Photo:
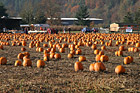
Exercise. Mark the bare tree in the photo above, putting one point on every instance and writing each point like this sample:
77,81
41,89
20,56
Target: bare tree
52,9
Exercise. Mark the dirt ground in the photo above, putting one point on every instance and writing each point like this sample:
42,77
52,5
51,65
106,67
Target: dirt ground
59,75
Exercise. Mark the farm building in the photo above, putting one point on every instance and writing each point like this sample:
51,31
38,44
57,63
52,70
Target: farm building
71,21
10,23
124,26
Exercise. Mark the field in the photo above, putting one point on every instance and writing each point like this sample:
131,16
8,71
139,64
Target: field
59,75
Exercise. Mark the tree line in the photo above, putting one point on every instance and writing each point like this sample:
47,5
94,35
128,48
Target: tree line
37,11
132,17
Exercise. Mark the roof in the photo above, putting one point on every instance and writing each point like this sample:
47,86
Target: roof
24,25
126,23
15,18
4,17
77,19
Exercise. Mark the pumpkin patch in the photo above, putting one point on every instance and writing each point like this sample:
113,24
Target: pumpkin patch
70,61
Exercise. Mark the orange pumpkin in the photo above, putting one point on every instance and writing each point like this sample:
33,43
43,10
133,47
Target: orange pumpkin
1,47
62,50
46,58
104,58
99,66
96,51
52,55
20,56
40,63
119,69
137,44
97,58
40,49
101,52
3,60
57,56
103,48
119,53
91,67
70,55
23,49
136,50
72,52
78,52
78,66
121,48
45,45
26,54
127,60
131,58
27,62
18,63
23,43
82,58
94,46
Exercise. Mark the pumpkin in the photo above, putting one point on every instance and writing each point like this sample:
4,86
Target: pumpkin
82,58
40,63
53,50
104,58
91,67
23,43
46,58
37,49
70,55
27,62
78,52
20,56
37,45
26,54
40,49
101,53
48,50
78,66
119,69
26,57
119,53
127,60
103,48
3,61
45,45
97,58
96,51
52,55
62,50
1,47
23,49
94,46
13,44
136,50
57,56
18,63
131,58
72,52
137,44
99,66
121,48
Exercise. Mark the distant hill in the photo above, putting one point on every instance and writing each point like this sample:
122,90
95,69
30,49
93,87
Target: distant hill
109,10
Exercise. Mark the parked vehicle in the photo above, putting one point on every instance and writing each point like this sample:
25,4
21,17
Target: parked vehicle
85,30
94,30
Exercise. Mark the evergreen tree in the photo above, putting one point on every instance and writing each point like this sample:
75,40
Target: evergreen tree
137,17
128,18
82,14
2,10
